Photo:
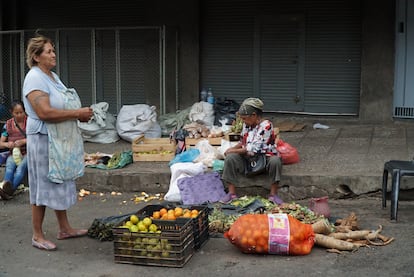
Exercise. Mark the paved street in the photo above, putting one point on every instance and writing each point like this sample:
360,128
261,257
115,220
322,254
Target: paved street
89,257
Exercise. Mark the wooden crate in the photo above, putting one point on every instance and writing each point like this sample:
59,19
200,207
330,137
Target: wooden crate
191,142
153,149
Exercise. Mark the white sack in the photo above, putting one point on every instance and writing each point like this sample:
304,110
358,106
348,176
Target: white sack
136,120
202,112
101,127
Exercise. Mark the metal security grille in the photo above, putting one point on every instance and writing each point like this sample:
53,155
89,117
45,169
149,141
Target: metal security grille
299,56
119,66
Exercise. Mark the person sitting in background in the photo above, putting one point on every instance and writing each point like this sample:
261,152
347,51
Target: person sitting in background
257,136
13,137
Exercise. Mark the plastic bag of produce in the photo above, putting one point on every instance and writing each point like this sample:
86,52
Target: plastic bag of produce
279,234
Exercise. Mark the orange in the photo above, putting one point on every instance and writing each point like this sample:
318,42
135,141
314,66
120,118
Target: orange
178,211
194,212
163,211
164,216
171,216
156,215
187,214
256,234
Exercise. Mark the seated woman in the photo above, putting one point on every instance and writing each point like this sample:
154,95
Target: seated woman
257,136
13,136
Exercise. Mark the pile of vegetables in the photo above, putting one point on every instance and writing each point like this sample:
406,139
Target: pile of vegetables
346,236
221,220
343,235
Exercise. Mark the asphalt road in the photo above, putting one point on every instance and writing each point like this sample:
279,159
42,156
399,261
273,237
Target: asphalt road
89,257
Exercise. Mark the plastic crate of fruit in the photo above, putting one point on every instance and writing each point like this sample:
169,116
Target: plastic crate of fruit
169,244
198,216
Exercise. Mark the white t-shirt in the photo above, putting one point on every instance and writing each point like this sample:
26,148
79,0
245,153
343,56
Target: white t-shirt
36,79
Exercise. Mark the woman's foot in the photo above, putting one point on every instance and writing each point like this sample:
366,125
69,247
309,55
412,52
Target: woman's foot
43,244
228,198
6,190
74,233
275,199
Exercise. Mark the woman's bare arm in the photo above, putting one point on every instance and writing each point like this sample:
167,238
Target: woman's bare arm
40,102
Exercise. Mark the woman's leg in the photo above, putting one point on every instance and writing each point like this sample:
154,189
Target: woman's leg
10,168
233,166
38,239
20,172
65,230
274,168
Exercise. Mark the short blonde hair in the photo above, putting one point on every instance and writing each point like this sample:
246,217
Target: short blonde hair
35,47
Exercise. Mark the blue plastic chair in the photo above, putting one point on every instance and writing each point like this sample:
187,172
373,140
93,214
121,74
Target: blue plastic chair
397,169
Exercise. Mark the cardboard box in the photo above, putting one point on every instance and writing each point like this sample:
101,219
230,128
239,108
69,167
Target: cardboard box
153,149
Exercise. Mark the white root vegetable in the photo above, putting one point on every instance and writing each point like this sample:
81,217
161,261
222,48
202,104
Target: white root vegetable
333,243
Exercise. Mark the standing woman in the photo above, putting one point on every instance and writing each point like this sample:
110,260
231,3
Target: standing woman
53,113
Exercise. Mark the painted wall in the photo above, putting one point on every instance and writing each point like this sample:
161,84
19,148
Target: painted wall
377,69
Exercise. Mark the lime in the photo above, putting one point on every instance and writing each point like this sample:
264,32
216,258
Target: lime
142,227
147,221
153,228
134,219
134,228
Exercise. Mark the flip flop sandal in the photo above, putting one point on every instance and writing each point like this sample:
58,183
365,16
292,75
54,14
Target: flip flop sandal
77,234
46,245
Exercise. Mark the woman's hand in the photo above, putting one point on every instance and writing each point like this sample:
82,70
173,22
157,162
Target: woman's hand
11,144
18,143
85,114
235,149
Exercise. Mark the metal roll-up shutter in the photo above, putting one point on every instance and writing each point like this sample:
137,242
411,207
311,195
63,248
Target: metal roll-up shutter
310,66
226,48
85,13
333,57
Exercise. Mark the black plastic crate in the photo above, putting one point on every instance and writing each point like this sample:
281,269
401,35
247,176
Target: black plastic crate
200,223
172,247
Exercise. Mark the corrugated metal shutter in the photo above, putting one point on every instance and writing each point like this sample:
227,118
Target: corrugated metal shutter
226,49
237,53
85,13
281,62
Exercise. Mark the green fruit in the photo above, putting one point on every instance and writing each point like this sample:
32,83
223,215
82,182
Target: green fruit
153,228
134,228
142,227
134,219
165,254
147,221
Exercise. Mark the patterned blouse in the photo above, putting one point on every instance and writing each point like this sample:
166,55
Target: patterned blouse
259,139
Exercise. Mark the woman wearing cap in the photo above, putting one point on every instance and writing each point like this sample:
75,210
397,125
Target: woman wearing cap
257,136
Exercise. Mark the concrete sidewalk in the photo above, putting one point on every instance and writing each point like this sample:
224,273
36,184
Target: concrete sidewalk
345,159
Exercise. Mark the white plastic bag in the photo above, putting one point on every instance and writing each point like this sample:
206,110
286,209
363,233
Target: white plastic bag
202,112
101,128
138,119
181,170
225,144
208,153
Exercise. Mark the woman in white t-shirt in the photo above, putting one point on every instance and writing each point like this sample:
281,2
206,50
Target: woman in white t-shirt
44,97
